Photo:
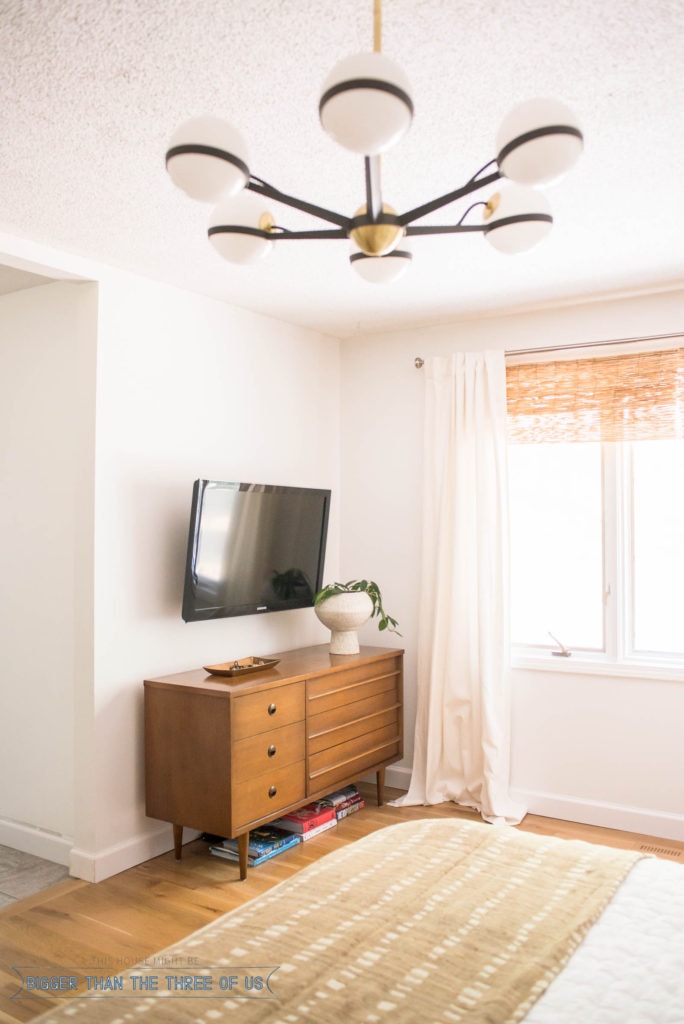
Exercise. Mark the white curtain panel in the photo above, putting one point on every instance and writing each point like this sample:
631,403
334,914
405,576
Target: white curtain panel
462,738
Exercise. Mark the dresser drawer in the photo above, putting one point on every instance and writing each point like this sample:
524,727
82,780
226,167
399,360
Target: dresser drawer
267,794
384,688
334,773
268,751
353,748
333,682
267,709
324,731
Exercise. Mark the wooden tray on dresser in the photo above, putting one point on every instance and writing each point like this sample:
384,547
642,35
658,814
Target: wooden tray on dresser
241,666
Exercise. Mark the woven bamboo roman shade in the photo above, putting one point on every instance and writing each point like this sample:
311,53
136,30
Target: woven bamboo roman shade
617,398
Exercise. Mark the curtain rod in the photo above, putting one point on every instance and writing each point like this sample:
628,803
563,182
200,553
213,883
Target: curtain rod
419,362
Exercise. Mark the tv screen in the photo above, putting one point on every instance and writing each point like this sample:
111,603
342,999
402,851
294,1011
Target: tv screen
253,548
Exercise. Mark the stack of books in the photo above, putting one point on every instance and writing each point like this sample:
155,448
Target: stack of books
268,841
308,821
344,801
265,842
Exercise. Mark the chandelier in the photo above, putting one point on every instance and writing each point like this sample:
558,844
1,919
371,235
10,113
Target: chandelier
366,107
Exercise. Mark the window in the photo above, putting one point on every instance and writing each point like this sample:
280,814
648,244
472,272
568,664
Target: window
556,528
656,505
597,512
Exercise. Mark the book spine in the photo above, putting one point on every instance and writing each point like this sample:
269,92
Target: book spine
302,826
256,849
319,820
340,797
273,853
319,828
232,855
358,799
224,853
344,812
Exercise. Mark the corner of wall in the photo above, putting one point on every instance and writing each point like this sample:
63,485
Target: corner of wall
95,867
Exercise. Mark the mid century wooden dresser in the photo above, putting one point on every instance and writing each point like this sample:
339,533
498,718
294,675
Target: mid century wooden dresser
225,754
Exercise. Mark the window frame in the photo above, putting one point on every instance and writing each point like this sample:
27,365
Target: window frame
618,656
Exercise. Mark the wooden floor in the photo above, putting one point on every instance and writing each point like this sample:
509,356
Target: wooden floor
135,914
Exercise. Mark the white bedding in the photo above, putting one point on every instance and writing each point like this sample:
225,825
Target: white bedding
610,978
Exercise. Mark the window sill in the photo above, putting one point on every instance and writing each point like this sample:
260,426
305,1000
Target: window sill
577,664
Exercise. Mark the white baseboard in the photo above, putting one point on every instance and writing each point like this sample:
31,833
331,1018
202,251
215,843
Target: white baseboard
101,865
396,777
95,867
658,824
38,841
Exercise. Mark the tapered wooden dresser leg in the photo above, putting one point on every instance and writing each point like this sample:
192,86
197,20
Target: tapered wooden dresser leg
380,781
243,847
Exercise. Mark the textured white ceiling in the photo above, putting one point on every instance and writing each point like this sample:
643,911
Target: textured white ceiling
91,90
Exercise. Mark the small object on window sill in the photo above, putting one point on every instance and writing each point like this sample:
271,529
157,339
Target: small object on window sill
563,652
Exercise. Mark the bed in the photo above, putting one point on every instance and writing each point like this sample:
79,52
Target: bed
437,920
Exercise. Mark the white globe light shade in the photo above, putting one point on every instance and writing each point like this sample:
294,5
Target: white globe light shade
510,235
381,269
207,159
366,104
244,240
542,158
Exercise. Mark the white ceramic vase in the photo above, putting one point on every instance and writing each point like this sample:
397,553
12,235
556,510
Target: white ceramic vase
343,614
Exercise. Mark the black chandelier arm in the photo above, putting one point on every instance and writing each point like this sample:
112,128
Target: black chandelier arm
460,228
274,234
519,218
443,229
473,185
277,233
264,189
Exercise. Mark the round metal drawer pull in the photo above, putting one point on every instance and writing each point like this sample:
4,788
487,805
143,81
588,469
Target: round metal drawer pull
272,791
272,709
271,751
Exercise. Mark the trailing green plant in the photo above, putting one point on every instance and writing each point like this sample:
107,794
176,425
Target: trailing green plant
369,587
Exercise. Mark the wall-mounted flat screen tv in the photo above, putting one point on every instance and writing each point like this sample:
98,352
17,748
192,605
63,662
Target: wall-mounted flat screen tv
253,548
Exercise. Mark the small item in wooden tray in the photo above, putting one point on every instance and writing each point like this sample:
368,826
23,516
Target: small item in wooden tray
241,667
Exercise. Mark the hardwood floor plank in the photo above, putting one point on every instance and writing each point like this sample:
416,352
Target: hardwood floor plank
138,913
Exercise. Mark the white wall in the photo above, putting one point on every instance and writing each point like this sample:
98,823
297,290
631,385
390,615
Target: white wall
186,388
47,401
124,396
603,750
606,750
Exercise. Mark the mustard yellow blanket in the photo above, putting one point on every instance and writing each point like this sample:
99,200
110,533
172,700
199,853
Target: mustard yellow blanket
433,920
